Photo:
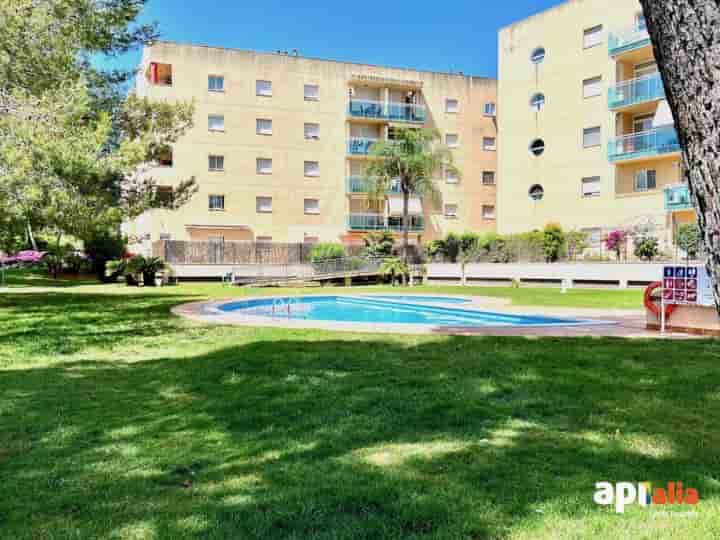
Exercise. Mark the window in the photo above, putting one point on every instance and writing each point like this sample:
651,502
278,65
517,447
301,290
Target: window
164,194
216,202
489,144
165,236
592,87
216,122
590,186
312,168
263,88
537,102
165,157
312,206
452,105
538,55
640,22
312,92
312,131
643,122
645,180
451,177
216,163
263,126
594,236
451,210
537,147
160,74
488,178
216,83
490,110
536,192
263,239
646,68
263,165
263,205
310,240
593,36
488,211
591,137
451,140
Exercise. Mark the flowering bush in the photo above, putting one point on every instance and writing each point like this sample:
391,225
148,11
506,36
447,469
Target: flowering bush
24,257
616,241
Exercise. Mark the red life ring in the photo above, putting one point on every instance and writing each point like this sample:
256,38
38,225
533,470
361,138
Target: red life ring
652,306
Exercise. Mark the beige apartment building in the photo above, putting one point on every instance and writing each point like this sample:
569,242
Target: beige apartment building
586,137
280,144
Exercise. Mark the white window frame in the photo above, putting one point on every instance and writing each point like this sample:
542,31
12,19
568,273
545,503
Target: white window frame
487,214
263,165
313,95
490,109
592,87
451,177
214,77
311,169
641,181
591,131
308,128
451,136
215,208
489,146
450,210
263,88
261,126
263,204
216,162
493,174
221,121
590,180
311,210
593,36
455,108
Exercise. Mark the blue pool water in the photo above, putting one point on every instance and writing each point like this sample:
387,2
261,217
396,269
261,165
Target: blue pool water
382,310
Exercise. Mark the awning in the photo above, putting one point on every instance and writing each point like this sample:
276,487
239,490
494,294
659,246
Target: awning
395,206
663,115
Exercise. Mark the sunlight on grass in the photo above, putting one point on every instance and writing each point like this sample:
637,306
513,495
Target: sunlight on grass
396,454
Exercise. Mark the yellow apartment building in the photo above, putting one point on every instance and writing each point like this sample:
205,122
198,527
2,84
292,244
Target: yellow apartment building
280,143
587,139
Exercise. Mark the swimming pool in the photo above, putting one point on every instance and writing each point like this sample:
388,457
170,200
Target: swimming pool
409,310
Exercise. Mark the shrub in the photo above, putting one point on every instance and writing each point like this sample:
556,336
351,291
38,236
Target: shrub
616,242
394,269
646,247
553,242
379,245
576,242
689,239
102,247
451,247
323,251
468,241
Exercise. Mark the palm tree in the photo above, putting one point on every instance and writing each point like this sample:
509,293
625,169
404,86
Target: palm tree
411,158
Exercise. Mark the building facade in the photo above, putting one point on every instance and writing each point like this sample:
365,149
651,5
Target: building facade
587,139
280,143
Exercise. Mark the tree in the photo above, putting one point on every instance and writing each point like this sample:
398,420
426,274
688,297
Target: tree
576,242
553,242
378,245
616,241
413,157
689,238
394,268
686,42
470,252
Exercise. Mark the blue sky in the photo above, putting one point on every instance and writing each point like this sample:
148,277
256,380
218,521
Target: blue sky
438,36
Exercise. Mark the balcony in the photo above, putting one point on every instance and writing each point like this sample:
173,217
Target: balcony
359,184
378,110
643,145
629,40
677,198
360,146
636,91
379,222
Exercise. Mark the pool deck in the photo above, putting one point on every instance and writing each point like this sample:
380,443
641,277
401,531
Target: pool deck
601,323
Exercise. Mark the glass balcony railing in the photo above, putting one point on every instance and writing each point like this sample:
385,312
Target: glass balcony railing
399,112
628,40
359,184
378,222
636,91
360,146
677,198
658,141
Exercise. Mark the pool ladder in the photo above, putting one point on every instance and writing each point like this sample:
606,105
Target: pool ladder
283,306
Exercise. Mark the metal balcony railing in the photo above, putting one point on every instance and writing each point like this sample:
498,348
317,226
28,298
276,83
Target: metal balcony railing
677,198
360,145
654,142
399,112
378,222
359,184
628,40
634,91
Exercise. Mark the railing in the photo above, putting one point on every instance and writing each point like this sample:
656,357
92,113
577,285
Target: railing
378,222
635,91
360,145
359,184
317,270
650,143
677,198
401,112
628,40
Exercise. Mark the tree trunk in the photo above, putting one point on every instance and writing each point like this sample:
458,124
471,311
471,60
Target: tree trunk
406,223
31,238
686,40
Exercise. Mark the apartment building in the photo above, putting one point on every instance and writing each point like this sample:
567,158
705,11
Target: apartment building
280,144
587,138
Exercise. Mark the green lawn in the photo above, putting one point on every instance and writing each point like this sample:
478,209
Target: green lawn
118,420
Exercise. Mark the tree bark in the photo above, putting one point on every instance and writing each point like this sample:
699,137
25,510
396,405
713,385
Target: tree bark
406,223
686,40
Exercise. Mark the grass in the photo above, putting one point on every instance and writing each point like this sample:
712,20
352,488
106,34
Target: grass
118,420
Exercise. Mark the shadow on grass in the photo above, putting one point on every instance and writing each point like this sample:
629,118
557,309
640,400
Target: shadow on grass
351,438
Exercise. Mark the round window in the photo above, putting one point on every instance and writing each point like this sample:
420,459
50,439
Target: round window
537,147
536,192
537,102
538,55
